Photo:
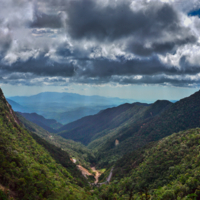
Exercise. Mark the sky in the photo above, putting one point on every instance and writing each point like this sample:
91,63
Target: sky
138,49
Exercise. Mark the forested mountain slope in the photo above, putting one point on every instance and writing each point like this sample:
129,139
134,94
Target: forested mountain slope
76,150
85,129
103,129
182,115
48,124
165,170
109,113
27,168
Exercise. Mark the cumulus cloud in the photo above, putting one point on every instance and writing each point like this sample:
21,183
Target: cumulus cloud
96,42
86,19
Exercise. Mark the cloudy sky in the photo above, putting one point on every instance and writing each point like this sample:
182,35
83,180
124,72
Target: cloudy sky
140,49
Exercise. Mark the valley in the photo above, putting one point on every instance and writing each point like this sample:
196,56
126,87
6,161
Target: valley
135,148
99,100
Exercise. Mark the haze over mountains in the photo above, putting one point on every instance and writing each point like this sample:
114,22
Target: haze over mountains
132,142
133,125
48,124
63,107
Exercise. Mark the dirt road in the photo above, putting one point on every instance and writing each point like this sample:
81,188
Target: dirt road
97,174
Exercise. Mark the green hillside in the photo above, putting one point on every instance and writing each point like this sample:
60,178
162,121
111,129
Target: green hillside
93,127
165,170
182,115
76,150
133,125
27,168
48,124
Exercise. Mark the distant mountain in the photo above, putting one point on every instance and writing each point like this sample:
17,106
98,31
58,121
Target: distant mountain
93,127
18,107
64,107
68,98
133,126
77,113
47,124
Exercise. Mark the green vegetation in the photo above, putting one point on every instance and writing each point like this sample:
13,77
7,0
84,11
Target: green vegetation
87,129
133,125
76,150
63,158
168,169
35,164
3,195
48,124
27,168
146,126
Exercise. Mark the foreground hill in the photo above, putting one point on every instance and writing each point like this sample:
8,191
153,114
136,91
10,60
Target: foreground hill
164,170
29,167
47,124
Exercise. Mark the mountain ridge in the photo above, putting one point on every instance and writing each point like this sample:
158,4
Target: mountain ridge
28,169
48,124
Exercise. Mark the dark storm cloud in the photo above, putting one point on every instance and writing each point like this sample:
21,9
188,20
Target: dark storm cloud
180,81
85,41
41,66
42,20
107,68
64,50
97,69
86,19
138,48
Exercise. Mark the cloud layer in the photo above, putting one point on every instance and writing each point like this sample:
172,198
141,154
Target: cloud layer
97,42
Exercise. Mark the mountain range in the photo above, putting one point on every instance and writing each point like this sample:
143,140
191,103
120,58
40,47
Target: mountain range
133,125
47,124
148,151
63,107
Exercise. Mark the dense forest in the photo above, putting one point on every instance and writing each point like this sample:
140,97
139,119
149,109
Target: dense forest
149,151
29,168
168,169
133,125
75,149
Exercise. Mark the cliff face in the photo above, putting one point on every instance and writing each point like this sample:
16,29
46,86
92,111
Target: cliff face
9,108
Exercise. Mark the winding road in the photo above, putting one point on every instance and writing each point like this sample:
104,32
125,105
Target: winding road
86,173
97,174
